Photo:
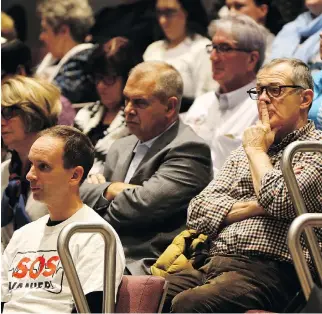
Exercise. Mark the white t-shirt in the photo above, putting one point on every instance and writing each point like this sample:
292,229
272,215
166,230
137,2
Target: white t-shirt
221,120
192,61
33,279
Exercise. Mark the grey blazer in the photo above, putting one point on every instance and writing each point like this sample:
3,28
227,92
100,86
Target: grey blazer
147,218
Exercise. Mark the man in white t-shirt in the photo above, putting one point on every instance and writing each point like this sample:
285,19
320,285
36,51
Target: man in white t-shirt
32,276
220,117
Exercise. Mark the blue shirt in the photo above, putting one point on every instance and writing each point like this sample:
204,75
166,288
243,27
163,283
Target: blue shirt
315,112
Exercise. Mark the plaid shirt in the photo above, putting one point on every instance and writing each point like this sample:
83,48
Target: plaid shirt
261,235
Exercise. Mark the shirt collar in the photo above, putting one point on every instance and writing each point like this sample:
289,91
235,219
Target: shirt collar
232,99
150,142
293,136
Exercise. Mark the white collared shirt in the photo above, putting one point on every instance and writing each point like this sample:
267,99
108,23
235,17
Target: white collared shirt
220,119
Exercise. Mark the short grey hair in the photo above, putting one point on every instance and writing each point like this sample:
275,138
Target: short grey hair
301,74
169,82
76,14
248,34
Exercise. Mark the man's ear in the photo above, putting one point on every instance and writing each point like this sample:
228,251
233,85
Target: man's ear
172,105
252,60
77,175
307,98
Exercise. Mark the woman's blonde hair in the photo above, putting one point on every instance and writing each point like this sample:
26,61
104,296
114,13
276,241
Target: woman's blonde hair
38,100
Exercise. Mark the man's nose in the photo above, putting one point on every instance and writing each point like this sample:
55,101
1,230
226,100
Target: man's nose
31,175
214,55
129,109
264,96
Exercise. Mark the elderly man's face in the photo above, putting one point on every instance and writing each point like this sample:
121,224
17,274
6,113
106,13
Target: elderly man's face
146,116
284,110
229,68
48,178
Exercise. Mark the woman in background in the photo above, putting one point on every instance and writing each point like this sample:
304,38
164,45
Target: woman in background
103,121
27,107
264,12
184,25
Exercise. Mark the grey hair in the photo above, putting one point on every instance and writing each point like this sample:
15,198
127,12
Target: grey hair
76,14
169,82
248,34
301,74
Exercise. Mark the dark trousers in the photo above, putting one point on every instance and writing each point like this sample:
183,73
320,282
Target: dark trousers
232,284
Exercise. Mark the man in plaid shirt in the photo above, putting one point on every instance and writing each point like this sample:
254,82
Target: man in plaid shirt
246,211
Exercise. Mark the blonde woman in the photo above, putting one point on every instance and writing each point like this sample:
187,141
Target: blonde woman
27,106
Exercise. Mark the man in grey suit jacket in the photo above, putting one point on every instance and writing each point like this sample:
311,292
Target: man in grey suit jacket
151,176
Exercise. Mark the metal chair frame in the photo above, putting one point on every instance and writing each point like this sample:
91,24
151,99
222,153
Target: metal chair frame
109,264
305,221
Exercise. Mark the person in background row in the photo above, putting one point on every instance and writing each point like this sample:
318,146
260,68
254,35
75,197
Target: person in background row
184,26
64,26
300,38
221,116
103,121
150,176
32,277
16,59
27,107
264,12
315,112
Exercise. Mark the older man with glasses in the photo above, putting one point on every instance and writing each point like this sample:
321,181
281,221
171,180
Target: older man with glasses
220,117
247,210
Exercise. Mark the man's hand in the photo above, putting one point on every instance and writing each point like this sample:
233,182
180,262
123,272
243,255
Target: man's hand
259,137
115,188
96,179
243,210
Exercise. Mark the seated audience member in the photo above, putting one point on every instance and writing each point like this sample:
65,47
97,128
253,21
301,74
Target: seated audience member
150,177
16,59
264,12
300,38
103,121
27,107
247,211
184,26
64,26
315,112
32,276
220,117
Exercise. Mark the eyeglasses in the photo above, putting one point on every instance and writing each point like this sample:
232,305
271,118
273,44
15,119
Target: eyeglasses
271,90
223,48
106,79
10,112
168,13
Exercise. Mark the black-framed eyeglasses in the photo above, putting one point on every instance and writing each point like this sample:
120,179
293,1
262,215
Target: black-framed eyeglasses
10,112
106,79
168,13
271,90
223,48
